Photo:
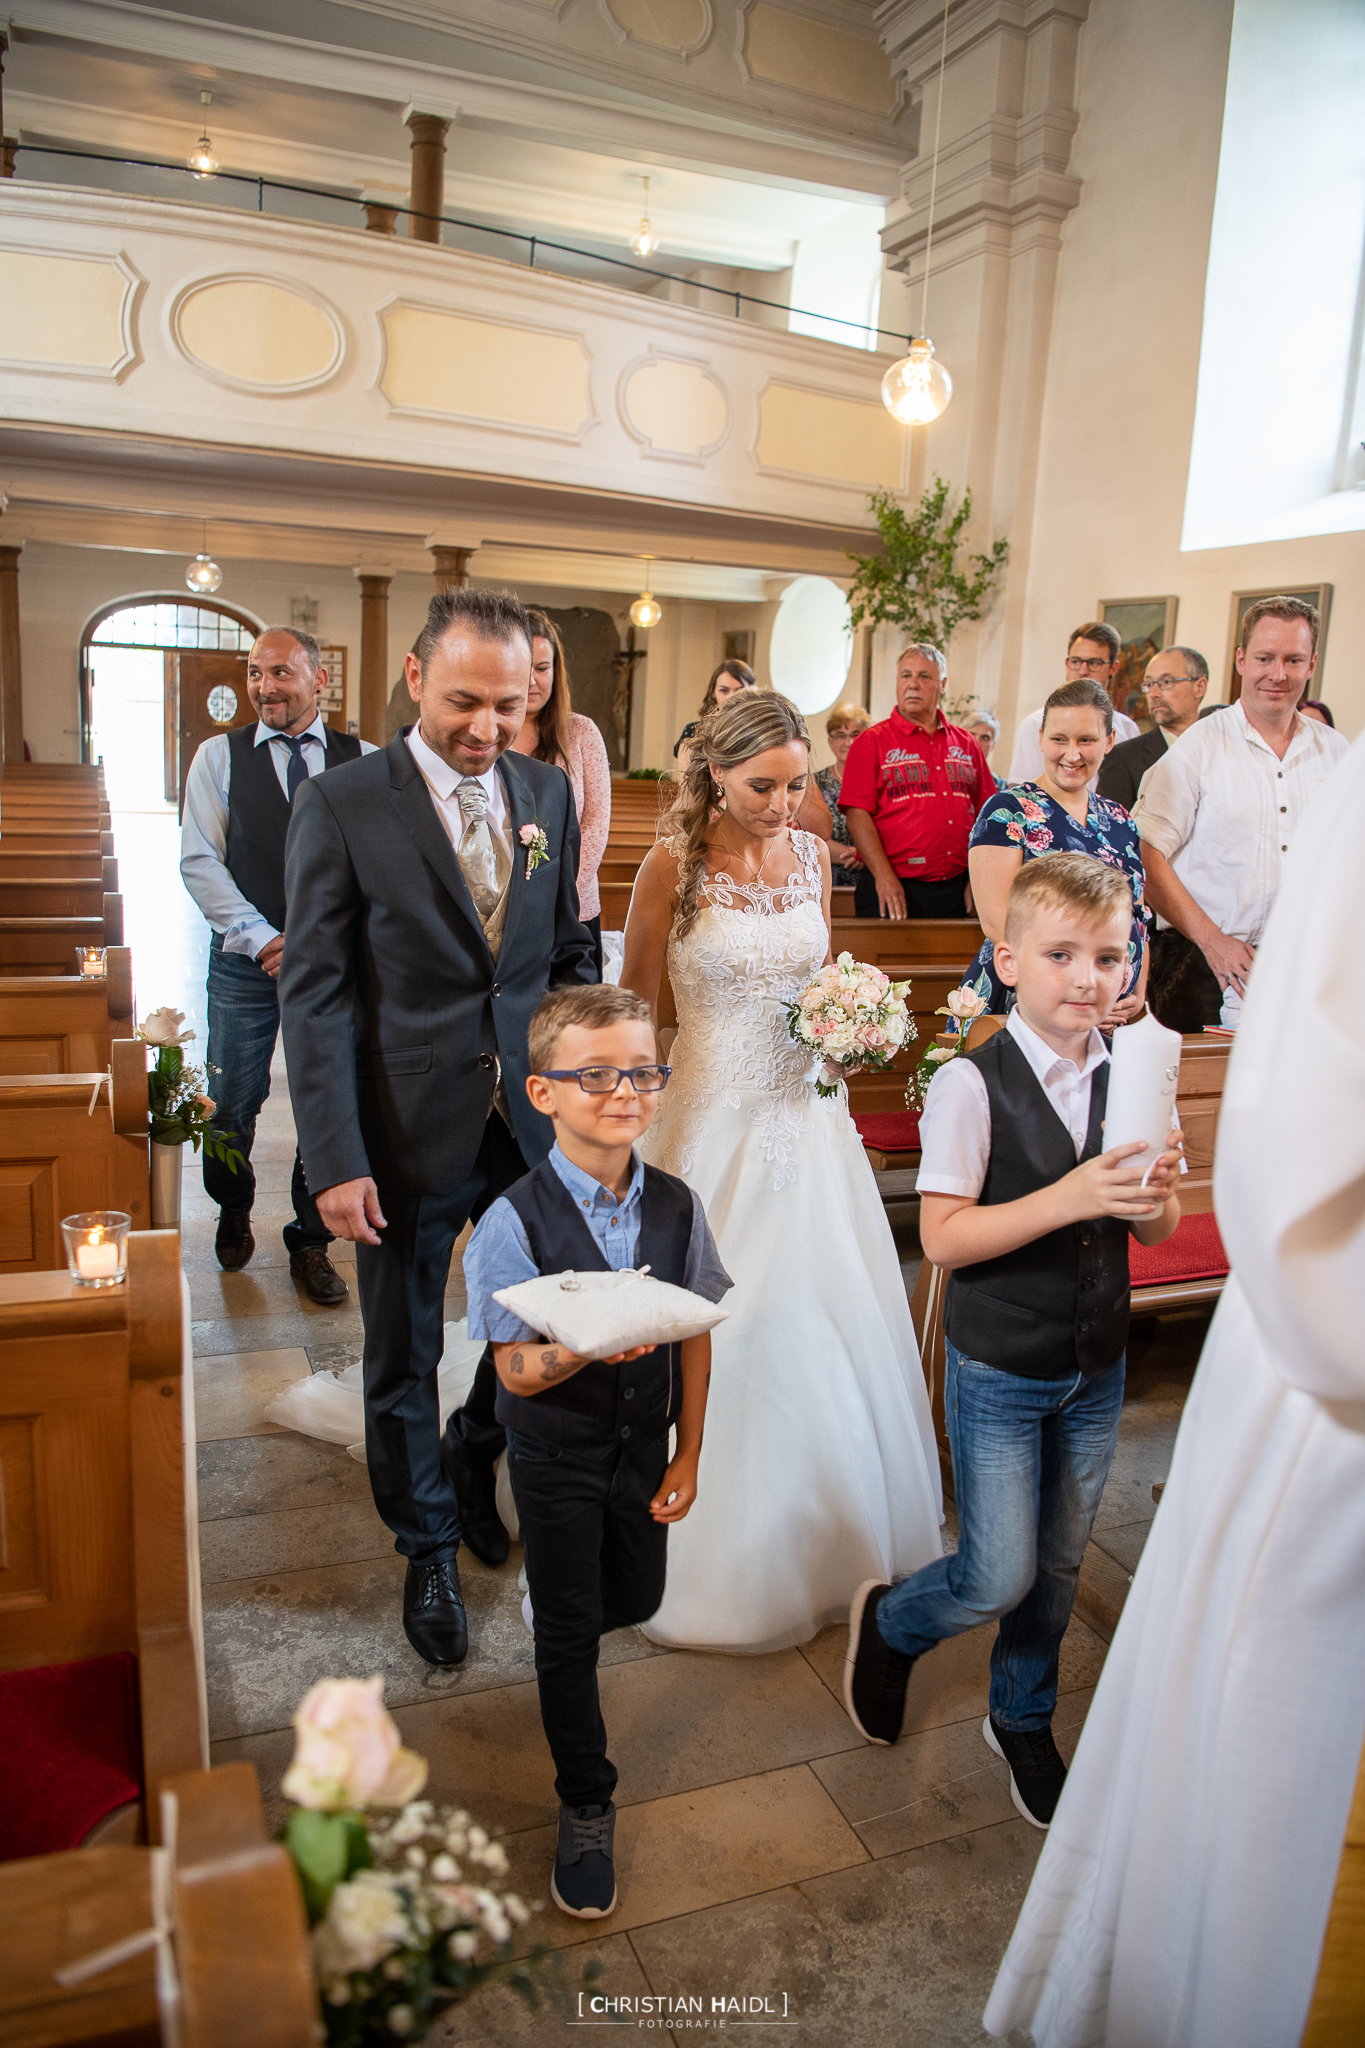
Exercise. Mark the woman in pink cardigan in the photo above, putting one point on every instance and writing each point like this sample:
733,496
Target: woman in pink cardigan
554,731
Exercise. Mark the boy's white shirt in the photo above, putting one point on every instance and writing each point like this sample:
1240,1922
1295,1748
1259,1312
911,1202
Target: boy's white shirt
955,1128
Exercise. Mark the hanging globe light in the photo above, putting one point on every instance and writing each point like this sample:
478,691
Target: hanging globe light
203,576
645,241
202,160
917,389
646,610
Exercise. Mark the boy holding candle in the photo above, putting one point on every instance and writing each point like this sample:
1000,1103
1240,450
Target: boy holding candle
1030,1217
587,1440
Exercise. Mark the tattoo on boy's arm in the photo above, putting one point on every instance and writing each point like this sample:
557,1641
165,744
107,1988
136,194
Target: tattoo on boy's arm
551,1366
516,1363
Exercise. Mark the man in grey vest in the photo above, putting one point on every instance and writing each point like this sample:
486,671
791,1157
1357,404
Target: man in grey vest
239,795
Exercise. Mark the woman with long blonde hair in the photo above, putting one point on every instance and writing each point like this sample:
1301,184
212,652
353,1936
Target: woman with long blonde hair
554,731
819,1467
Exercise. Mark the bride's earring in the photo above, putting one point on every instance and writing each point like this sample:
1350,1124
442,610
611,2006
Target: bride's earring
719,797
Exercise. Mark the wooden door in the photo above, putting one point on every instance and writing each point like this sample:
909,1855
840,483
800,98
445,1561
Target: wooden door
211,697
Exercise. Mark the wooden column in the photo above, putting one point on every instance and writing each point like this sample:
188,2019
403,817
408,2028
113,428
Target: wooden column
374,656
380,220
7,142
450,568
428,176
11,682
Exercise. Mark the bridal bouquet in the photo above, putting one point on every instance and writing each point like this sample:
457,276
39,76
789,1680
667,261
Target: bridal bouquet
407,1912
853,1015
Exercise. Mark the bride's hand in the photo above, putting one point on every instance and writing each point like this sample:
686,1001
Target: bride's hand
834,1073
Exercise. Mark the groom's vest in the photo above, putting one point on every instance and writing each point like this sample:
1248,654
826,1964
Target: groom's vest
1059,1305
602,1403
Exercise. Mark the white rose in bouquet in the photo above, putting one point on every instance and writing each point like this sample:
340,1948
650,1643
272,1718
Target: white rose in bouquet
165,1027
853,1015
349,1752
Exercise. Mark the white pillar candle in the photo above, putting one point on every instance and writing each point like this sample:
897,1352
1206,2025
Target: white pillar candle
97,1261
1144,1073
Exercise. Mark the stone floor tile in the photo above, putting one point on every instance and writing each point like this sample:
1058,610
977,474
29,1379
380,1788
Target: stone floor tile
261,1475
952,1683
895,1954
269,1638
1124,1544
1101,1591
335,1354
924,1789
197,1254
261,1289
251,1332
296,1539
231,1392
497,2018
701,1848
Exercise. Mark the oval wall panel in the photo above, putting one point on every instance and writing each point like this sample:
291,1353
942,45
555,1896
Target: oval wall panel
258,335
679,25
677,408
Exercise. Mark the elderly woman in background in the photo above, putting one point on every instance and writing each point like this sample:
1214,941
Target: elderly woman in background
984,728
554,731
730,678
842,726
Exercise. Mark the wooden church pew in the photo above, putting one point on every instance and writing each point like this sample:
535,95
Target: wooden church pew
57,1158
1336,2018
100,1559
53,894
47,945
64,1024
85,862
241,1942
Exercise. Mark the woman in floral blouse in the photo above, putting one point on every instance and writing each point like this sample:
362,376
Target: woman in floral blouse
1057,814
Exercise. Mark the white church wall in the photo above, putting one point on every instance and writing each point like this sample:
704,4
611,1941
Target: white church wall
1125,362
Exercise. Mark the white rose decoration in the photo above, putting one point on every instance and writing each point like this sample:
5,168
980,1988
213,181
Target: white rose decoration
349,1752
165,1027
365,1922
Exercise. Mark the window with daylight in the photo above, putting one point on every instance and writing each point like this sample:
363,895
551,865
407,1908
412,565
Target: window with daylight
173,625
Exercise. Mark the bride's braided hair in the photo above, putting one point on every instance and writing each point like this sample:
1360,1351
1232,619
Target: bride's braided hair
750,723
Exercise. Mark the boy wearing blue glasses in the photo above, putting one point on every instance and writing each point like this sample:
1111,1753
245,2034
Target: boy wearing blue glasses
587,1439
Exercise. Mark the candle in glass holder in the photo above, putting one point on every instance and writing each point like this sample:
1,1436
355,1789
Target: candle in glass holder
97,1260
90,961
97,1247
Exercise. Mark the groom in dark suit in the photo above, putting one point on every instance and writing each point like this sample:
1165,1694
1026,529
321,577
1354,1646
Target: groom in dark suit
423,930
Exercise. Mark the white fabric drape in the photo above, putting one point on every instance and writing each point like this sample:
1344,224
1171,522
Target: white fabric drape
1184,1888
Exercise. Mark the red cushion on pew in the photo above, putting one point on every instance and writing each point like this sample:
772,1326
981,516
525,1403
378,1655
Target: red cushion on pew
1193,1251
71,1752
889,1130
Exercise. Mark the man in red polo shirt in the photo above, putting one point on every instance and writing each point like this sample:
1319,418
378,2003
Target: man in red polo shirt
911,790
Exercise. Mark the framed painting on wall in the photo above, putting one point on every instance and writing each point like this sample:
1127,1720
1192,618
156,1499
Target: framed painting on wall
332,703
738,647
1319,595
1144,625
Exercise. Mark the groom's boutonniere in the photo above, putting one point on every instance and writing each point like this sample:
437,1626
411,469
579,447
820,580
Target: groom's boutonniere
537,846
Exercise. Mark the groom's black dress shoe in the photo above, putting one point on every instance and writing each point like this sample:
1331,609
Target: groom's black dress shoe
476,1491
433,1612
233,1242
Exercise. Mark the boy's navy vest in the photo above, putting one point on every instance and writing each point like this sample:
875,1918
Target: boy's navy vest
1057,1306
258,817
602,1403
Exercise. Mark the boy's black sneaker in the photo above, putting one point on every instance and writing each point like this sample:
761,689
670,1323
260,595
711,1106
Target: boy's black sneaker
875,1676
583,1881
1037,1773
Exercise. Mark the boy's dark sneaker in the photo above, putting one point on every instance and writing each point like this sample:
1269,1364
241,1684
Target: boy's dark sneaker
875,1676
1037,1773
583,1881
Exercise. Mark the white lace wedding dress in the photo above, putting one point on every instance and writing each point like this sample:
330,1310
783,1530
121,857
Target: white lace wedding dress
818,1465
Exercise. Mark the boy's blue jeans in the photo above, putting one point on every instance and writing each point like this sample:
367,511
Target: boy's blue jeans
1030,1458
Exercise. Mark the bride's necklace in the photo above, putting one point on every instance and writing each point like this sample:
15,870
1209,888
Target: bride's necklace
754,874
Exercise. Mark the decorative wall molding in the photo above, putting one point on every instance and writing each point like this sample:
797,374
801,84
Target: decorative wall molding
126,353
702,372
287,387
754,15
829,411
614,9
480,329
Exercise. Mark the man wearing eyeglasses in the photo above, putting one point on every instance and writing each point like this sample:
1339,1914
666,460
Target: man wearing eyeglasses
1092,653
1175,683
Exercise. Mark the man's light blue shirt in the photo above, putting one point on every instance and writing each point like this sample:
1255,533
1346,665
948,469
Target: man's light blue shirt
203,835
499,1253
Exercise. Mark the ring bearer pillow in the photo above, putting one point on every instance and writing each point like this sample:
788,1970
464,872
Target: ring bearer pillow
598,1314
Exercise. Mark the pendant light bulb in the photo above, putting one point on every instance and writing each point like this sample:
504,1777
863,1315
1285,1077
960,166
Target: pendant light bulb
202,160
917,389
646,610
645,241
202,575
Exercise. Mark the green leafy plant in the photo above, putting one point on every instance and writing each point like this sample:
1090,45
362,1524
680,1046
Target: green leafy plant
644,774
917,581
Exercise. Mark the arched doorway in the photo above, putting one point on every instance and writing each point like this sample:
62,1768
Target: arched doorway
157,676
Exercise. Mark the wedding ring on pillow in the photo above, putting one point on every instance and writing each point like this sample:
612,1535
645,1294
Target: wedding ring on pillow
570,1284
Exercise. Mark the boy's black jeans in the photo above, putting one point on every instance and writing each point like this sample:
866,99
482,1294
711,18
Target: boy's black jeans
594,1561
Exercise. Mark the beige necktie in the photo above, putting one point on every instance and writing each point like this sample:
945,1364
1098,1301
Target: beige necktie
483,860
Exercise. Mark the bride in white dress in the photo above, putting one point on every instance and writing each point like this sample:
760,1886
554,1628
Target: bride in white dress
819,1468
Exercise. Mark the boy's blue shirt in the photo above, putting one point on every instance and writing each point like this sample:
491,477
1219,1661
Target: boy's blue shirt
499,1254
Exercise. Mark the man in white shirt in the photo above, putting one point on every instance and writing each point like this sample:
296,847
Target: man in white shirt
239,797
1218,815
1092,652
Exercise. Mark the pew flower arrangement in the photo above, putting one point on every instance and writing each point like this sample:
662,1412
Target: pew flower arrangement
854,1016
176,1093
406,1911
962,1009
